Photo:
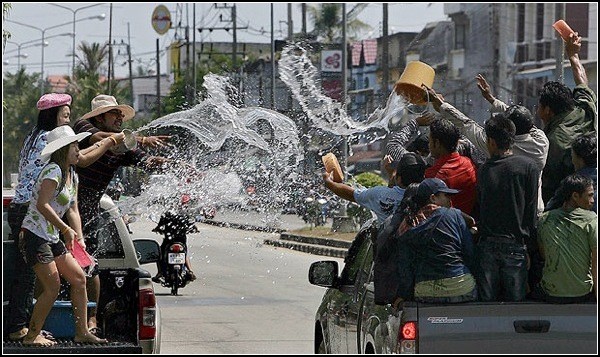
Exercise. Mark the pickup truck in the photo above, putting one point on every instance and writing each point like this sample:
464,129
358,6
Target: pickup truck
349,321
127,309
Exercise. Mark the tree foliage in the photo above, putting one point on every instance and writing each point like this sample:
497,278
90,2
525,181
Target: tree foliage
327,22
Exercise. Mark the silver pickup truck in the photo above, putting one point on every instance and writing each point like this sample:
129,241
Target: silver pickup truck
127,309
349,321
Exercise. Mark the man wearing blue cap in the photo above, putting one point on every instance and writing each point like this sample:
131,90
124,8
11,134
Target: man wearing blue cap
441,244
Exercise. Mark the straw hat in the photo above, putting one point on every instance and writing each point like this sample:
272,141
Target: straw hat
103,103
59,137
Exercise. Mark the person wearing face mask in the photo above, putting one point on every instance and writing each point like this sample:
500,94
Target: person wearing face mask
54,111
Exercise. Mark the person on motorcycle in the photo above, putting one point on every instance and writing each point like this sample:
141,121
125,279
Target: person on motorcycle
174,228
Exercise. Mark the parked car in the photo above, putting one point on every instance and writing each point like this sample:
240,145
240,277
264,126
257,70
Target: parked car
127,310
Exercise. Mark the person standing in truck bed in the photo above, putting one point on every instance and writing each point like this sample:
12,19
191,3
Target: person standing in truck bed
568,238
507,188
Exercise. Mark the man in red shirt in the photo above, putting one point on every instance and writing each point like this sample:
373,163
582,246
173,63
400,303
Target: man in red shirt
458,172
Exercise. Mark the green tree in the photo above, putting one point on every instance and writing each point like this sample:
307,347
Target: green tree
20,94
88,82
327,22
177,98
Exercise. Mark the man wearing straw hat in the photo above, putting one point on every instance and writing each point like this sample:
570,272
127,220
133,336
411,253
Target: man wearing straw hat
105,118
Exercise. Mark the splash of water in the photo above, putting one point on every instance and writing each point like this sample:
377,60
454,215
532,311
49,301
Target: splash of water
302,78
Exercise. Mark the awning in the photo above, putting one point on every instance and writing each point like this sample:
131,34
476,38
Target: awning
546,71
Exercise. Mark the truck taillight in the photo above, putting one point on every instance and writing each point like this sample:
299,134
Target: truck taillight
147,309
407,338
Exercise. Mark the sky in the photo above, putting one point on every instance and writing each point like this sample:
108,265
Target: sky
403,17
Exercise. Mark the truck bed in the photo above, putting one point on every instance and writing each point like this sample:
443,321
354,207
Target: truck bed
525,327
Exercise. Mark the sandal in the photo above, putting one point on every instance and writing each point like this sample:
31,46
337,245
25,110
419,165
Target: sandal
18,335
96,331
47,335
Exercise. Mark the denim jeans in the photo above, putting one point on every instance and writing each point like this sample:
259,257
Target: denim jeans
502,270
22,287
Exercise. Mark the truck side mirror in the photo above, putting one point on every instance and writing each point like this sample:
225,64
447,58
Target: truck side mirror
146,250
323,273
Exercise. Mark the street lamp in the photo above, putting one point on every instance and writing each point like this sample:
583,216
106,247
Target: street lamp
18,56
34,43
19,46
43,31
101,17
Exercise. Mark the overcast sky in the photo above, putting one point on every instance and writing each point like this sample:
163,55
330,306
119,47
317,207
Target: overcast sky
255,16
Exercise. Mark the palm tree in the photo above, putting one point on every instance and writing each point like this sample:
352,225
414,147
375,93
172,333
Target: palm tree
87,81
327,21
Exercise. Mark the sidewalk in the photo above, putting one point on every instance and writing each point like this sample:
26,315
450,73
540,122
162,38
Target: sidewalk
285,225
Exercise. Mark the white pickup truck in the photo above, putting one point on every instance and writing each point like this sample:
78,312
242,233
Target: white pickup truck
127,311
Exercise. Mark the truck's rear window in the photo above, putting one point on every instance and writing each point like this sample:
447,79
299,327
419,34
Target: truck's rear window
109,242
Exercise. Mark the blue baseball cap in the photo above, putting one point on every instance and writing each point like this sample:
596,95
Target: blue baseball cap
431,186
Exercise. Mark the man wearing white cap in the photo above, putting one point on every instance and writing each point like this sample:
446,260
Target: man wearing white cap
105,118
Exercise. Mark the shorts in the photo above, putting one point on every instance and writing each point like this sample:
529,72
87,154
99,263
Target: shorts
38,250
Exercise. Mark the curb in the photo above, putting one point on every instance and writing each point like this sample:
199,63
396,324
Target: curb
313,245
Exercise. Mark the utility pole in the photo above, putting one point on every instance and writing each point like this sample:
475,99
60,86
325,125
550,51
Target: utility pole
158,77
194,52
130,65
304,18
560,45
272,59
234,20
290,24
110,53
385,57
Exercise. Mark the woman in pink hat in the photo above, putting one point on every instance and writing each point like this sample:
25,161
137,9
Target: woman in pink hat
54,111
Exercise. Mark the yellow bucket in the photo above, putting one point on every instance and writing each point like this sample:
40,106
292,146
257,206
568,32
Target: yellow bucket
415,74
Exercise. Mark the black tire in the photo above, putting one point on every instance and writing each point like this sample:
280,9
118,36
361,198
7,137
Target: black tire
176,283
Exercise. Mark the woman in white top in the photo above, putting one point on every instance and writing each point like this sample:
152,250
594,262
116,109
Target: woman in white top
54,197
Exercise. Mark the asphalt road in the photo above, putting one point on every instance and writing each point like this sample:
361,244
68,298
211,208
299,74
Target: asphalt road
249,298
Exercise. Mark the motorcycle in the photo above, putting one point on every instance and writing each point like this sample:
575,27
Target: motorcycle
174,260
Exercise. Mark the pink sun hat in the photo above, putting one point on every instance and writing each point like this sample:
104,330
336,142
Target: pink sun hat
52,100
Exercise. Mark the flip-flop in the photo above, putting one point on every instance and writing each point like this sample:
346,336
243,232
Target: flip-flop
17,335
46,343
96,331
47,335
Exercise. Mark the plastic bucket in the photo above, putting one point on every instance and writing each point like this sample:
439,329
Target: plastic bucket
331,163
414,76
129,143
563,29
60,321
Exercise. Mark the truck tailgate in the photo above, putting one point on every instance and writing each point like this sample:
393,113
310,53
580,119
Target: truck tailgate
507,328
69,347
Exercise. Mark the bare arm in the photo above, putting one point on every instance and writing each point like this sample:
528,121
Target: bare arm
75,222
92,153
498,106
340,189
47,190
572,47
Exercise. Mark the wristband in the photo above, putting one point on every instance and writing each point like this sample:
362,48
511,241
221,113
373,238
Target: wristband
114,140
65,230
